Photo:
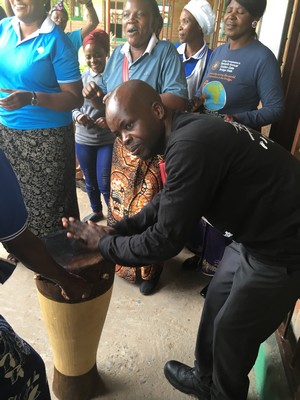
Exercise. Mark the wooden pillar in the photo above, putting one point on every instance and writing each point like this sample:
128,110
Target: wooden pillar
283,132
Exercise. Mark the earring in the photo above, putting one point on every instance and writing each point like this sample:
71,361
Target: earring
254,24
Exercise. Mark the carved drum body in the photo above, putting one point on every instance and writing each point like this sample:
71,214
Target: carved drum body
74,329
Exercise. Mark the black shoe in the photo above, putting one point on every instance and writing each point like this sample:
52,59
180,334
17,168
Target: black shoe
94,217
148,287
191,263
183,378
204,291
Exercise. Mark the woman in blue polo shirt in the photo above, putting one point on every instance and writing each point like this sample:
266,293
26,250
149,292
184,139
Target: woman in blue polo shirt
40,84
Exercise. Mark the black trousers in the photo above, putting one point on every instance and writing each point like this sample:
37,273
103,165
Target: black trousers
245,303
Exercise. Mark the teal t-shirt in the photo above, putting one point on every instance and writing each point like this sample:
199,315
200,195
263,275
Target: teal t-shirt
76,39
39,63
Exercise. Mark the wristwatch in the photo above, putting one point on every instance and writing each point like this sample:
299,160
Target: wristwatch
34,100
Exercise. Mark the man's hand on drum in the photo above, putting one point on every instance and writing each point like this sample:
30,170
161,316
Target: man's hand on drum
89,233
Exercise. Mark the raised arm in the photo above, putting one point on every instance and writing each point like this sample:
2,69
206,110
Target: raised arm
92,18
8,8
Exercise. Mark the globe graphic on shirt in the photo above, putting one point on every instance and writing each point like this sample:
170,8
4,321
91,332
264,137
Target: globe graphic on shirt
215,96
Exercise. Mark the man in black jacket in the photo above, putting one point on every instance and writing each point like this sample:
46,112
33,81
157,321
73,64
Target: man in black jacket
243,184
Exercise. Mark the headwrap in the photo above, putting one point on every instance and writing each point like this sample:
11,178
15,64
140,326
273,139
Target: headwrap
59,7
254,7
97,37
204,15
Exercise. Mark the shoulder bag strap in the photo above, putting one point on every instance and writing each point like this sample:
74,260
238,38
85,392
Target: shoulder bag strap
125,69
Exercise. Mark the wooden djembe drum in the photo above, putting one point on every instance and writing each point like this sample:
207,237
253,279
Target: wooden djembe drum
74,328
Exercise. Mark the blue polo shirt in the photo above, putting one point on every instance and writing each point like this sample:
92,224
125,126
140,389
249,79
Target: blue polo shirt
75,37
38,63
160,66
13,213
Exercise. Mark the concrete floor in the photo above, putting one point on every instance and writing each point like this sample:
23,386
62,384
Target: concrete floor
140,333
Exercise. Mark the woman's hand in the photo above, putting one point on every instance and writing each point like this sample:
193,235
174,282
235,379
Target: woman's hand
16,99
89,233
196,102
85,120
92,91
101,122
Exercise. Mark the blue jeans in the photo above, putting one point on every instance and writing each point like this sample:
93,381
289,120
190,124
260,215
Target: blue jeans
95,163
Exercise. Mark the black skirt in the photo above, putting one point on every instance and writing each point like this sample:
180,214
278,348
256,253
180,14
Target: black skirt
44,162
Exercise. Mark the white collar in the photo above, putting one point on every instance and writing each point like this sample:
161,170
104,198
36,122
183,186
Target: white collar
47,26
94,74
151,44
197,56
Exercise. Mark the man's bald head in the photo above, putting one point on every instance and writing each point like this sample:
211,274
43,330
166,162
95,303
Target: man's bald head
135,111
133,93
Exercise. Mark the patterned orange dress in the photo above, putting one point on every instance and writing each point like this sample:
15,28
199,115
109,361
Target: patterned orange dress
134,183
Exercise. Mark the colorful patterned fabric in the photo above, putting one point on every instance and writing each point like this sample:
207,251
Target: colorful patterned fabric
134,183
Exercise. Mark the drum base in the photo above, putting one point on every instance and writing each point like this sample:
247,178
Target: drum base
82,387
